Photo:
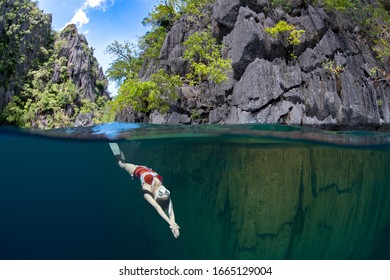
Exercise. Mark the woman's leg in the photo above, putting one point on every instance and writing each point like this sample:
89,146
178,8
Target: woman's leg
129,167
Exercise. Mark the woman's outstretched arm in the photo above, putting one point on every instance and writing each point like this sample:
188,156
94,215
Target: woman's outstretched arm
160,211
175,227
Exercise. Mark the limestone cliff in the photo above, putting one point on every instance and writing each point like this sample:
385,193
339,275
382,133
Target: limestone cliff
47,79
24,31
332,79
82,67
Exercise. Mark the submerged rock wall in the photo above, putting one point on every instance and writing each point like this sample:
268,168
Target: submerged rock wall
273,201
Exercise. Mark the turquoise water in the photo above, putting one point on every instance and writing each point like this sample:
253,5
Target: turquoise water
239,192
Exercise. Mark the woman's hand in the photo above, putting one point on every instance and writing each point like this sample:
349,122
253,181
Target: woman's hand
175,229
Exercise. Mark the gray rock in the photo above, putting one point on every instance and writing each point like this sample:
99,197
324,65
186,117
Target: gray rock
176,118
172,51
80,62
149,67
321,95
21,48
158,118
84,119
310,60
283,112
267,86
329,44
248,41
218,114
225,12
358,94
263,82
294,95
238,116
317,16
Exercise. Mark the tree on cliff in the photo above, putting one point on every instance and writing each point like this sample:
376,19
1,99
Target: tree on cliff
201,51
47,80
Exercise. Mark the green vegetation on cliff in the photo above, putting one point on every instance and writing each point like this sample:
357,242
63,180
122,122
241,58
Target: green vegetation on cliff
373,19
25,33
41,86
201,51
204,54
289,35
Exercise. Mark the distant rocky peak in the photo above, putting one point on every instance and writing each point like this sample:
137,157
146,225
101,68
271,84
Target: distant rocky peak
82,67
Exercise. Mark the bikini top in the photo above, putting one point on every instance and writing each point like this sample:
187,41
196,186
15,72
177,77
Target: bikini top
146,175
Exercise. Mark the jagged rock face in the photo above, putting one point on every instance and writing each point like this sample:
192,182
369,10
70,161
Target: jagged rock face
21,45
307,93
82,66
333,82
37,63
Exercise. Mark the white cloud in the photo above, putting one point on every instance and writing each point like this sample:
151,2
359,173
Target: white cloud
80,17
97,4
94,3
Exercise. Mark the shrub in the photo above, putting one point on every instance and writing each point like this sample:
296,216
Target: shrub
289,35
286,32
145,96
204,54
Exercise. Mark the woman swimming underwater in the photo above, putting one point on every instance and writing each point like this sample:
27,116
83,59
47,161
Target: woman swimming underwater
152,186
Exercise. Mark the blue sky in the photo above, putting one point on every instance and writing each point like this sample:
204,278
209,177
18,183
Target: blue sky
102,21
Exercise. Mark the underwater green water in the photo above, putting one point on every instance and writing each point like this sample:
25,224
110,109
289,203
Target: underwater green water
239,192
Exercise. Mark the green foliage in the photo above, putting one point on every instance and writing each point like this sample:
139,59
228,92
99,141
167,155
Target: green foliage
331,66
14,113
386,4
339,5
20,20
145,96
43,104
99,109
161,20
163,15
195,115
282,28
151,43
382,48
157,93
373,19
375,23
289,35
195,9
295,37
273,4
40,102
203,53
127,62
